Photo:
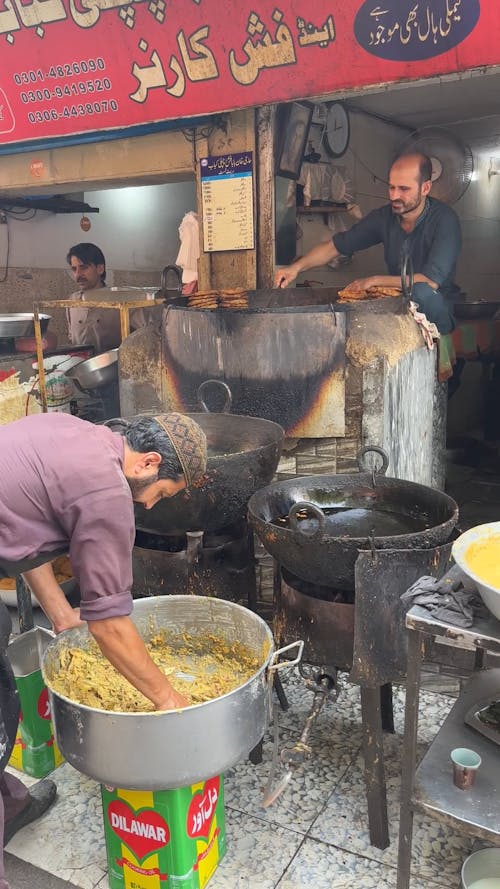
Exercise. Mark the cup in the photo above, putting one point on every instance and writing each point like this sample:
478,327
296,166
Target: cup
465,765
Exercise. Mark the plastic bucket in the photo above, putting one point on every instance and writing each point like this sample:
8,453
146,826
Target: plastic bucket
60,389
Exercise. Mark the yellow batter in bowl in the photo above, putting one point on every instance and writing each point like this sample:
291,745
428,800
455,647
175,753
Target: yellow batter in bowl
201,668
482,557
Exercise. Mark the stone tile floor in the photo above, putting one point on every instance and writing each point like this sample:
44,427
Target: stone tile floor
315,835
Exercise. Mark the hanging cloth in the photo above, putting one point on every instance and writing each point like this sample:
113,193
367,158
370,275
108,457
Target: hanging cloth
189,252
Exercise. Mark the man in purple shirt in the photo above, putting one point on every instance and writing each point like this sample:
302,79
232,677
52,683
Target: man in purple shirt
68,485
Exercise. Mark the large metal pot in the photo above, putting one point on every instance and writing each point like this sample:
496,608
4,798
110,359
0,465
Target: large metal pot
346,513
163,750
243,453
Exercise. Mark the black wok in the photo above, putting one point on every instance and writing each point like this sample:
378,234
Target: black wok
323,520
243,453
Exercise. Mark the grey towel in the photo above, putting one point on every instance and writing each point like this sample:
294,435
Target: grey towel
448,602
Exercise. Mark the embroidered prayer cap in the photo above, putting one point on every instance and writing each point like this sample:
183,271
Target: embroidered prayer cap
189,443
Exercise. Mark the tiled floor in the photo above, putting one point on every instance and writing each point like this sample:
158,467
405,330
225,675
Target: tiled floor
315,835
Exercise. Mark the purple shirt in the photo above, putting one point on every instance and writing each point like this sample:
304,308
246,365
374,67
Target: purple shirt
62,484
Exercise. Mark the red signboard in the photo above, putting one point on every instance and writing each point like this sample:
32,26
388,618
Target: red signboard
73,68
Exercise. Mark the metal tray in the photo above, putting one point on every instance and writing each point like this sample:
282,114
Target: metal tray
20,324
471,718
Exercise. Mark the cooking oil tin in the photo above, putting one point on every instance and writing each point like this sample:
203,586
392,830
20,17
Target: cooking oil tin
35,751
164,839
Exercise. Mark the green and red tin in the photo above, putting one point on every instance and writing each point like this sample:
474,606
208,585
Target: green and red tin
35,750
164,839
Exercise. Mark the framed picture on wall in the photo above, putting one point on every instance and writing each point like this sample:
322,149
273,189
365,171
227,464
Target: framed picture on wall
294,121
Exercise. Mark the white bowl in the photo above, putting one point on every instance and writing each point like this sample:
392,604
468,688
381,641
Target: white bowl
481,865
490,595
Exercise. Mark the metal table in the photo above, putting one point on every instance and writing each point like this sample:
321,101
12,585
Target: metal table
430,789
124,307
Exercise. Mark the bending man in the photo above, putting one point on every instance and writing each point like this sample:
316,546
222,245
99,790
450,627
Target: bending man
69,485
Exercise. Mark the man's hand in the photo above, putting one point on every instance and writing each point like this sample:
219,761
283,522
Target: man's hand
363,284
286,276
69,622
174,701
319,255
120,643
45,587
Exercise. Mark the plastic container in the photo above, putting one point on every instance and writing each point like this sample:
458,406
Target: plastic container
173,838
60,389
481,870
35,750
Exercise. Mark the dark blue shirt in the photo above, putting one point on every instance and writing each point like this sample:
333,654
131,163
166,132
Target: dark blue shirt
434,243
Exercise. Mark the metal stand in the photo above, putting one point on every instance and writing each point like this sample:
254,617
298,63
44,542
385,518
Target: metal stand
430,789
24,606
124,308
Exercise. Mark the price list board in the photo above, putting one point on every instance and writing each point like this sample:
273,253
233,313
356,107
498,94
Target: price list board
227,202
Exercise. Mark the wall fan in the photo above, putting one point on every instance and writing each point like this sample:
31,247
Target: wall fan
452,161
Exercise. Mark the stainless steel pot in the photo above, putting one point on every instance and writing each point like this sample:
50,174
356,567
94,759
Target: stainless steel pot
163,750
21,324
96,372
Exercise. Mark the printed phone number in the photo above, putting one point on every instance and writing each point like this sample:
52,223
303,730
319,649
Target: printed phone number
73,111
70,69
59,92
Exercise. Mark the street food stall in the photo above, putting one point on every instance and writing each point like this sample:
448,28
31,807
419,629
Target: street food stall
289,386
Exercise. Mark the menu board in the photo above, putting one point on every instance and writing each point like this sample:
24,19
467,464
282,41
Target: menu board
227,202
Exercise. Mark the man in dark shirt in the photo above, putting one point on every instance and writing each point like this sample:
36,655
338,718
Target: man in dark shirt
412,223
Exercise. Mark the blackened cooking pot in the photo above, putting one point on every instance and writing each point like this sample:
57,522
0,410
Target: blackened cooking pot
315,525
243,453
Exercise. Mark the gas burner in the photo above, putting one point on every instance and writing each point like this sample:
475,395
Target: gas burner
316,590
90,409
215,563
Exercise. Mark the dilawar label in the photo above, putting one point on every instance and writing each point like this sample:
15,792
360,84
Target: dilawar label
164,839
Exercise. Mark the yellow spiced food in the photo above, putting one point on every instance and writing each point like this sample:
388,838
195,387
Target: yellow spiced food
62,570
483,558
199,668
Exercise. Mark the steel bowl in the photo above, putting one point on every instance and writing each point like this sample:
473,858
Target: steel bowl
21,324
96,372
9,597
481,865
164,750
490,595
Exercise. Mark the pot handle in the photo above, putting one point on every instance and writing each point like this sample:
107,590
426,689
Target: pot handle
317,513
274,666
407,276
375,450
227,391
